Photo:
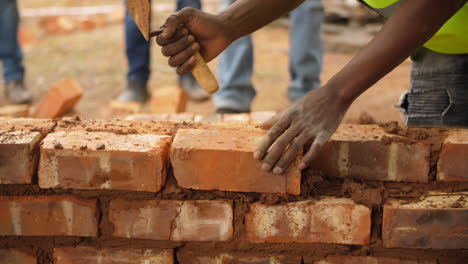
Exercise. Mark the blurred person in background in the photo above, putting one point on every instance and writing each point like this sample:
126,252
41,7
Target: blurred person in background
305,64
138,56
11,56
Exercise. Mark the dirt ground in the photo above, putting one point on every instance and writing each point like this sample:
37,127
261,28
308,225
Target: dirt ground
96,59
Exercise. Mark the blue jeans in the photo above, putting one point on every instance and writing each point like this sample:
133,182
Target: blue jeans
138,49
235,67
10,50
438,95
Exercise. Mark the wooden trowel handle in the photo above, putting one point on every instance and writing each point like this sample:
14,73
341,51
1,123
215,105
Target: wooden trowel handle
204,75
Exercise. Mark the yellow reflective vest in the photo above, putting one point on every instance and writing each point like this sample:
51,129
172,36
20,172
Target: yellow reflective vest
452,37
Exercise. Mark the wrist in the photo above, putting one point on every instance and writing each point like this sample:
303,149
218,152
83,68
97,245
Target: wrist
227,21
341,92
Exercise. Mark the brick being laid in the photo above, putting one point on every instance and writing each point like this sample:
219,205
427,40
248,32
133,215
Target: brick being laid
91,255
222,159
101,160
172,220
48,216
438,221
19,154
367,152
330,220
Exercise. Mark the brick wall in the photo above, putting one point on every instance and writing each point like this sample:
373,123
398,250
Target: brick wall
143,191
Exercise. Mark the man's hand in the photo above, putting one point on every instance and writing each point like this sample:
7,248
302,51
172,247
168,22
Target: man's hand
312,119
189,31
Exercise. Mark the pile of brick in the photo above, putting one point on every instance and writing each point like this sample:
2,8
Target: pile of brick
84,191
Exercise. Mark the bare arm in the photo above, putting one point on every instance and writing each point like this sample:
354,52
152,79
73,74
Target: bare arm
316,117
246,16
412,24
211,34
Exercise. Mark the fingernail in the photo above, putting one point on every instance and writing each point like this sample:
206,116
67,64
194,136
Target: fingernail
195,46
265,167
278,170
191,38
257,154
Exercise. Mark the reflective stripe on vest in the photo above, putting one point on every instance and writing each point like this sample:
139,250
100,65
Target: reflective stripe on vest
452,37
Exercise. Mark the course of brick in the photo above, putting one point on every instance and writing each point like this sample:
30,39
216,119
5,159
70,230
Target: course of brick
186,189
433,222
338,221
101,160
388,159
66,255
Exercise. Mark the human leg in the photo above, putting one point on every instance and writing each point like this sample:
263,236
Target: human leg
306,48
438,95
137,51
11,55
235,71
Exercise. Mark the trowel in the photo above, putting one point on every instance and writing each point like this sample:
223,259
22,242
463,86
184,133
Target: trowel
140,10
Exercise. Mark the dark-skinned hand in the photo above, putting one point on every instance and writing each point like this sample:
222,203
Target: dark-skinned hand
313,119
189,31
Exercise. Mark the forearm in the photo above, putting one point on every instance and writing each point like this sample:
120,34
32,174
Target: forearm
412,24
246,16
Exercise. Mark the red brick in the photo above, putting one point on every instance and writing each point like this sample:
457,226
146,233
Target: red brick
172,220
437,222
16,256
168,100
18,156
260,117
118,108
452,164
190,257
14,110
100,160
330,220
60,99
236,118
47,216
367,152
44,126
58,24
120,127
368,260
222,159
27,37
90,255
87,24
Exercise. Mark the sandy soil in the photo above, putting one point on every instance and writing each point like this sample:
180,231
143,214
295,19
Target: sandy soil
96,59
